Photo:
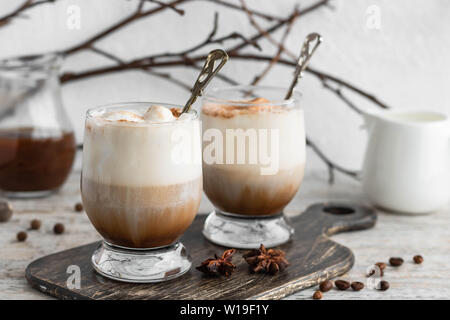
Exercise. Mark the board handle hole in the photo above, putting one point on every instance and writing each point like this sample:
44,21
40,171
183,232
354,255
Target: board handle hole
339,210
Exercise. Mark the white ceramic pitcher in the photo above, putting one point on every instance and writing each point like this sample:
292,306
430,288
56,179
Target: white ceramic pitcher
407,160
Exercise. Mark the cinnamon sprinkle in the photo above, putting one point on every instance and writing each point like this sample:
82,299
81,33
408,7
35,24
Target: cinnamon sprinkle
229,111
176,112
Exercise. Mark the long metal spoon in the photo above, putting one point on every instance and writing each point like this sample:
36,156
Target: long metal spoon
208,72
303,59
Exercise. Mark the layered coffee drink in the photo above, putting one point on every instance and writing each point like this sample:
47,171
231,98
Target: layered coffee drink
137,192
245,188
141,186
253,163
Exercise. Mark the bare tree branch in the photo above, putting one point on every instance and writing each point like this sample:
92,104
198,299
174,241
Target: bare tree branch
254,12
331,165
280,24
339,93
277,56
167,5
354,88
210,39
166,76
151,63
319,74
192,56
221,76
138,14
26,5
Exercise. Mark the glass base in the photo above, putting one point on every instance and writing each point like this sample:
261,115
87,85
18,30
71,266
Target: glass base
141,265
26,194
244,232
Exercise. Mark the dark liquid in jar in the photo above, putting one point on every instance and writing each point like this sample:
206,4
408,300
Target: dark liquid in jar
34,159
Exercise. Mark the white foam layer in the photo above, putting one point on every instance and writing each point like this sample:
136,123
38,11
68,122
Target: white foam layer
288,122
139,153
120,116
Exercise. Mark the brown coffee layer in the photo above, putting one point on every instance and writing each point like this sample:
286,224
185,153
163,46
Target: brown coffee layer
29,163
248,193
141,217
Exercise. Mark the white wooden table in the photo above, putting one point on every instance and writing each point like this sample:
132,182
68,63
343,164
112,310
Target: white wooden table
394,235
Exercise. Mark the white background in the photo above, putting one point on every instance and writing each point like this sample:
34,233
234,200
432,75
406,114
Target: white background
405,63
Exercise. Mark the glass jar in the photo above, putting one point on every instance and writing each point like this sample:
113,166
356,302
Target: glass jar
253,163
141,187
37,143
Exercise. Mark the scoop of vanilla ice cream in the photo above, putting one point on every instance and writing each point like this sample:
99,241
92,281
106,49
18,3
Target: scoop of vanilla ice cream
123,116
158,114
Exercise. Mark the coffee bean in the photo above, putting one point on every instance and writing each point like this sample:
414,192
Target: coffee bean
326,285
356,286
342,284
78,207
381,265
396,261
317,295
418,259
58,228
22,236
35,224
5,211
384,285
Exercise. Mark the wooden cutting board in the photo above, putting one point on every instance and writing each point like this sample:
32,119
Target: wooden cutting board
312,255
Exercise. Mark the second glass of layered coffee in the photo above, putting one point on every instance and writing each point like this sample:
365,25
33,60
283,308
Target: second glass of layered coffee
253,163
141,188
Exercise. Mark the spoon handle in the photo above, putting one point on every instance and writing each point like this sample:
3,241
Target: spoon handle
208,72
303,59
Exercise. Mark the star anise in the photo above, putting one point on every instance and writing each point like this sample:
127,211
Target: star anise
218,265
266,260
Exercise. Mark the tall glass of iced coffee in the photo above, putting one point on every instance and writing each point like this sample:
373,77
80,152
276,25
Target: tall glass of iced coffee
141,188
253,163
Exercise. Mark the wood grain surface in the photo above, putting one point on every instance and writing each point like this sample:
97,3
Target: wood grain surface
393,235
312,255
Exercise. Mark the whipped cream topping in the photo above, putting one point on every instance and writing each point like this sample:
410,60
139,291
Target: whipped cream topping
153,114
158,114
